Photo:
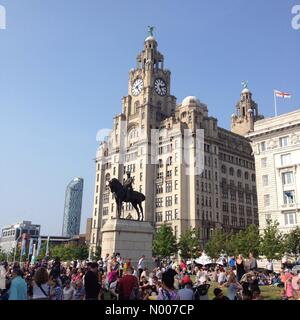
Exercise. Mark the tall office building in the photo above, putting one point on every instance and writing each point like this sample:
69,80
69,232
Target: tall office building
223,196
72,210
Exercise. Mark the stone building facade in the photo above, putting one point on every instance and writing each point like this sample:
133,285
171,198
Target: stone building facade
276,146
222,196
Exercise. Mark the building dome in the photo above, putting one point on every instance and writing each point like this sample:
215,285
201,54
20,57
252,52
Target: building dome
191,100
246,90
150,38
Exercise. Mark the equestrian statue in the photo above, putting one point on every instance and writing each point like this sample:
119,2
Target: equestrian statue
125,193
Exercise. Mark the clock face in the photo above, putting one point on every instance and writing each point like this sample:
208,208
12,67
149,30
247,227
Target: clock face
160,87
137,87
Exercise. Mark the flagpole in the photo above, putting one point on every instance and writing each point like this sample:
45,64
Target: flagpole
275,103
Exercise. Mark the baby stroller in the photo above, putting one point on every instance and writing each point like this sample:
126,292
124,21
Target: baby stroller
201,292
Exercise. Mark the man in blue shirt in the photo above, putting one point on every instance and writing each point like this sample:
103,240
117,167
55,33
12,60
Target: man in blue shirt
18,286
232,262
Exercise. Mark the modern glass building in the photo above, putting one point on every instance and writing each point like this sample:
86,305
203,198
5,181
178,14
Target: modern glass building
72,210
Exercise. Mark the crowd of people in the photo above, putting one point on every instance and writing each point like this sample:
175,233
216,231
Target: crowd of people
115,278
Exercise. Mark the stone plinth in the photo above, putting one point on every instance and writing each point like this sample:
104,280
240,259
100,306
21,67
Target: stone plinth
131,239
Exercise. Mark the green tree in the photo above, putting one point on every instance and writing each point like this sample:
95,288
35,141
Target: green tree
97,254
216,244
189,244
292,242
272,244
164,244
81,252
247,241
3,255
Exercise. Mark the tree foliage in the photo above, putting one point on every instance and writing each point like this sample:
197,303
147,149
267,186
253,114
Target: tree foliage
164,244
292,242
216,244
272,244
189,244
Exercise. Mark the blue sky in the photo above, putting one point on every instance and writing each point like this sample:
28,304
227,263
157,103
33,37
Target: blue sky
64,69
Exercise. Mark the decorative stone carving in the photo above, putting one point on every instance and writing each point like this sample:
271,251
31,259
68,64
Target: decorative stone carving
272,144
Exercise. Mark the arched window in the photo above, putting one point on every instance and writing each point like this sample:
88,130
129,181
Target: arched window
246,175
107,179
253,177
231,171
223,168
239,173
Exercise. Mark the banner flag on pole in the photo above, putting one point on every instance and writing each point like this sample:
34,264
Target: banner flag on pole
47,247
33,257
39,246
282,94
30,247
23,247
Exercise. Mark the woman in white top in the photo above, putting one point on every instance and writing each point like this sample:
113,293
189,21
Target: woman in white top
68,291
41,288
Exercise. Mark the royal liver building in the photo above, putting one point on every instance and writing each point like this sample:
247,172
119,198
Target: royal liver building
148,139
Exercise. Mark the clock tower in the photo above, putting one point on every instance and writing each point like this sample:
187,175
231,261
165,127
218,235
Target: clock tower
149,100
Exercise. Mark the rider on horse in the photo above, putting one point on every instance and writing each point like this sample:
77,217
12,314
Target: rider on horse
128,185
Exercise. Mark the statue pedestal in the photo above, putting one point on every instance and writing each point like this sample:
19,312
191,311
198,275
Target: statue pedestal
130,238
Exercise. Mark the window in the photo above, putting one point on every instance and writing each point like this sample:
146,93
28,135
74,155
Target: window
169,186
246,175
105,211
231,171
176,214
284,141
264,162
241,210
159,188
265,180
290,218
289,197
267,200
232,195
169,173
159,175
223,168
287,178
176,199
285,159
233,208
263,146
248,211
168,201
159,202
239,173
176,171
225,206
176,184
242,222
112,207
168,215
105,197
158,217
234,221
95,212
253,177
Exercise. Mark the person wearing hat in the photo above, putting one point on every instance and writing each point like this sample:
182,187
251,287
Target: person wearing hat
186,293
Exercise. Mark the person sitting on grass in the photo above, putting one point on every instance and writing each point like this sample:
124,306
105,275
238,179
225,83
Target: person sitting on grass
219,295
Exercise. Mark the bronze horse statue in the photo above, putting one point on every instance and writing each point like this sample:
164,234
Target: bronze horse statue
135,199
